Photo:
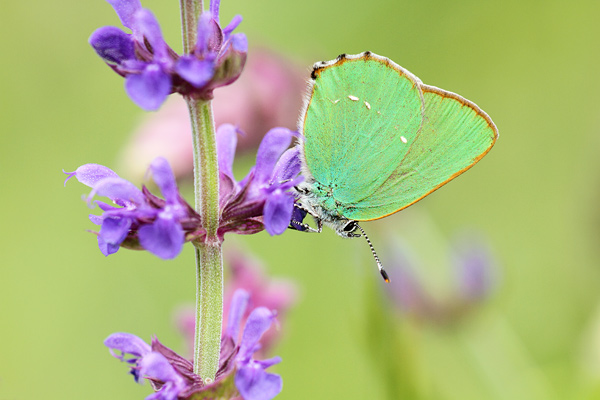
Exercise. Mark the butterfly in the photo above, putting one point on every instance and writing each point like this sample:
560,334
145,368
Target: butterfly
375,140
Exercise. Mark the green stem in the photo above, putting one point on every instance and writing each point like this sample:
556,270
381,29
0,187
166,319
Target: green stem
190,11
209,311
209,259
206,167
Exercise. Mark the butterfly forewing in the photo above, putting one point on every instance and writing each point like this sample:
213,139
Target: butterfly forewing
360,118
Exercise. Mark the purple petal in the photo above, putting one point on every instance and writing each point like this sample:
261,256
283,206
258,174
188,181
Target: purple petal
107,248
164,238
154,365
90,174
205,30
125,9
235,22
226,144
105,207
239,302
298,215
195,71
475,267
146,25
118,190
287,167
150,88
214,8
127,344
278,212
112,44
275,142
163,176
258,323
239,42
264,364
254,383
112,233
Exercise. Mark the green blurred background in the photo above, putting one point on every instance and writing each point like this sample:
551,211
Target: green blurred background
532,65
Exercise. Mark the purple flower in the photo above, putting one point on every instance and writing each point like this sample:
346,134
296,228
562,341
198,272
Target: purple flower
139,219
473,270
152,70
262,199
476,267
172,376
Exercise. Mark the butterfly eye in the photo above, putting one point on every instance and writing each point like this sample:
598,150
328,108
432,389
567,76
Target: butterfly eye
350,226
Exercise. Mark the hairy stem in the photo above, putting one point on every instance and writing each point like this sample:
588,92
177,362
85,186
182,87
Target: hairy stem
190,11
209,259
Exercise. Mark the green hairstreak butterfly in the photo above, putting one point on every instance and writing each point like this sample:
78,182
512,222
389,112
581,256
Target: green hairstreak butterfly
376,140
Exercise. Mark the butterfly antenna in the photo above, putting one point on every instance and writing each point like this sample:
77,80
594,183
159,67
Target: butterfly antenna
379,265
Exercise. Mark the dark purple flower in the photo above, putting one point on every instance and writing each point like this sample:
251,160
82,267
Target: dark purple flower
262,199
152,70
139,219
172,376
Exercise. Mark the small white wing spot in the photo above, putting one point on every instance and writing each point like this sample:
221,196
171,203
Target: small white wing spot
368,105
403,139
334,101
353,98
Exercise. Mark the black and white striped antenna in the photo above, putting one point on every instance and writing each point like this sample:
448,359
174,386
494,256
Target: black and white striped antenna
379,265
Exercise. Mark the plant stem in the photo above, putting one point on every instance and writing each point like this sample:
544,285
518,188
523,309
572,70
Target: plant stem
190,11
209,259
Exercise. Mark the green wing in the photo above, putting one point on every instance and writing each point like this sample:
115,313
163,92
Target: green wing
358,114
454,136
412,140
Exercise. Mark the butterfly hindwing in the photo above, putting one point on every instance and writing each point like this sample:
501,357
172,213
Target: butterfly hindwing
454,136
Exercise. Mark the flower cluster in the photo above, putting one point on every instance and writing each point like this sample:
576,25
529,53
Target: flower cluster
239,374
152,70
262,199
141,220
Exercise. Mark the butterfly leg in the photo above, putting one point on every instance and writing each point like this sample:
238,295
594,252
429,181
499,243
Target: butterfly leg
301,226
